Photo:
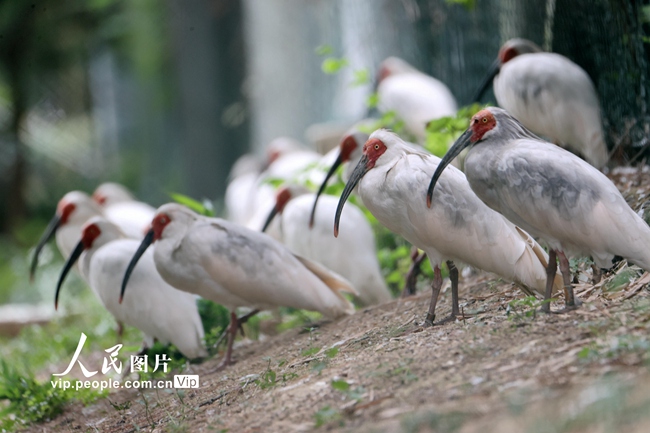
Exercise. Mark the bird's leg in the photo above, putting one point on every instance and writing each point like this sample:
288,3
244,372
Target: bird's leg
597,274
414,271
232,333
455,311
243,319
551,269
569,299
436,285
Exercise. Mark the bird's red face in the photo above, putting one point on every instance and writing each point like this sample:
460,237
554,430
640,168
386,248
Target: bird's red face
383,73
348,145
282,198
99,198
89,234
373,149
64,209
481,122
159,223
507,53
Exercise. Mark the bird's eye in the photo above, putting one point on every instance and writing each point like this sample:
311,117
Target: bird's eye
376,147
485,120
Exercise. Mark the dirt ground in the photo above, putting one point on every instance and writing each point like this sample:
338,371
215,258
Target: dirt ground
503,369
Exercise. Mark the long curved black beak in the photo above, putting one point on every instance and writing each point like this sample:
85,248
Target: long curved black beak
269,218
359,171
337,163
460,144
148,240
66,268
54,224
487,80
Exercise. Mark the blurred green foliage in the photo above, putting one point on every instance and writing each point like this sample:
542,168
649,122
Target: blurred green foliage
442,132
28,400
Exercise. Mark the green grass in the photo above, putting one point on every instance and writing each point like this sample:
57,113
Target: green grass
28,401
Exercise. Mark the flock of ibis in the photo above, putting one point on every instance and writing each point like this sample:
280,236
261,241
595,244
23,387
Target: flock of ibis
277,247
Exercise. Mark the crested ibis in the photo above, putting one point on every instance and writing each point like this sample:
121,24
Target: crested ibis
549,192
391,178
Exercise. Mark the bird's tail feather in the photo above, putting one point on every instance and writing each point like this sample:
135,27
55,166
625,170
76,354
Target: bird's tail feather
332,280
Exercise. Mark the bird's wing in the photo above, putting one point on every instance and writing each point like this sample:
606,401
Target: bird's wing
262,272
547,191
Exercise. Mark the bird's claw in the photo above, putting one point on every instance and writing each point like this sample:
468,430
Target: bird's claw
450,318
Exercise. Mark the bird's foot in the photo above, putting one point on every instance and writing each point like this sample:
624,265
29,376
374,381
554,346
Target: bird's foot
568,308
545,308
450,318
222,365
429,320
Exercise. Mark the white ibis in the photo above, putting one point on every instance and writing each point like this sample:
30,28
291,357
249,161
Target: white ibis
551,96
153,306
416,98
354,258
234,266
120,207
550,193
459,227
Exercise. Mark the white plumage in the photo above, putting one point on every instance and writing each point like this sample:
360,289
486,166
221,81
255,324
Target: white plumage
552,96
392,179
234,266
152,306
416,98
551,193
354,258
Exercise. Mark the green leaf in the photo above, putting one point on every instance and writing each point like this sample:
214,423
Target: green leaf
310,351
372,101
193,204
326,415
332,65
331,353
361,77
340,385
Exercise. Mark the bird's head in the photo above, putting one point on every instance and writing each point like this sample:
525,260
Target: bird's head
391,66
507,52
109,193
74,209
349,149
482,125
283,195
515,47
373,149
170,220
94,234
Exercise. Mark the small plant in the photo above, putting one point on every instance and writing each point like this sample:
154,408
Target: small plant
326,415
524,309
345,388
29,401
332,352
269,378
310,351
403,371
